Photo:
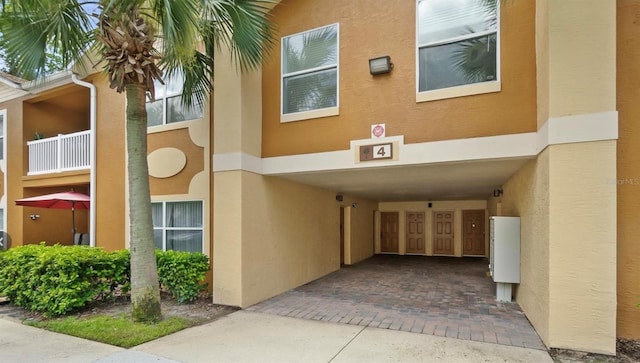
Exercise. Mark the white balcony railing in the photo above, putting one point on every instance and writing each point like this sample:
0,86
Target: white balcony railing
60,153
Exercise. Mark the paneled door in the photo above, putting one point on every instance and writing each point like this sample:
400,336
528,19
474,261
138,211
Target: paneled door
389,232
443,233
415,232
473,233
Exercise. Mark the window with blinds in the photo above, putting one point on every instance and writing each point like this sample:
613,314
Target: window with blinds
310,73
457,43
178,225
167,107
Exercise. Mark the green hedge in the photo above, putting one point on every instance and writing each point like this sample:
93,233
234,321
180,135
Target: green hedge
181,273
55,280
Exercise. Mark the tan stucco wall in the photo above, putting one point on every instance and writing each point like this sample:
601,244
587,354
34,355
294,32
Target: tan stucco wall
359,233
628,178
271,235
580,251
391,99
111,164
582,256
421,206
526,194
575,27
494,206
227,237
568,253
179,139
566,34
15,148
238,115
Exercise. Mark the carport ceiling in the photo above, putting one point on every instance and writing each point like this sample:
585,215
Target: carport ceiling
447,181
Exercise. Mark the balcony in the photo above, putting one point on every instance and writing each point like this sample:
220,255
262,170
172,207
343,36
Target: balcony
61,153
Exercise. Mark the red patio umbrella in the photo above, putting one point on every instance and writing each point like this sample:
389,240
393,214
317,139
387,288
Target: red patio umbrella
64,200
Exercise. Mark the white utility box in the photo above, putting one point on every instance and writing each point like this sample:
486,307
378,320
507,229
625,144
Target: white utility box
504,257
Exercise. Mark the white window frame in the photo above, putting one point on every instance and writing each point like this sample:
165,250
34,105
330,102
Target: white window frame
165,107
322,112
3,114
164,228
3,225
462,90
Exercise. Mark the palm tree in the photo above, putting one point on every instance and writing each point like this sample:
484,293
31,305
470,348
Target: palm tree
138,41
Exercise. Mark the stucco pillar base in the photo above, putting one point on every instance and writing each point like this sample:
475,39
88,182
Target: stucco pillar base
582,246
271,235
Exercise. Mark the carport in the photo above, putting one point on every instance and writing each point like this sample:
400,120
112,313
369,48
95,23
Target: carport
442,296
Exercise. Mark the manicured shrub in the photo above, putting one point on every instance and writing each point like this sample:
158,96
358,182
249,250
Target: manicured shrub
182,273
55,280
58,279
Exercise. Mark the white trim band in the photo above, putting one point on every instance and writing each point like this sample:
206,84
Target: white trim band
579,128
237,161
560,130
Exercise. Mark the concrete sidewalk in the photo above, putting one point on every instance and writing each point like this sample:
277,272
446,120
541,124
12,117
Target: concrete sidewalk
255,337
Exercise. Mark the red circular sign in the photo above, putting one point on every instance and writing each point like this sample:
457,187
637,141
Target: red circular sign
378,131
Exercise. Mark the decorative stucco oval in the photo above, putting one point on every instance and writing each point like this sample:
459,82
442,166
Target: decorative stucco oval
166,162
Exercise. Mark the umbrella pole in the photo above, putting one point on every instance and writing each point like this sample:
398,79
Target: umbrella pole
73,223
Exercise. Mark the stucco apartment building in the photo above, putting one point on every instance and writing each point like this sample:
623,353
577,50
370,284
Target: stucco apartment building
529,108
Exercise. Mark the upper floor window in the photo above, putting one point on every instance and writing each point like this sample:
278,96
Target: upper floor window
178,225
310,74
167,107
1,136
457,43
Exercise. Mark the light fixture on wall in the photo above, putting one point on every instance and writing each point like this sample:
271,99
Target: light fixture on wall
497,192
34,216
354,204
380,65
339,198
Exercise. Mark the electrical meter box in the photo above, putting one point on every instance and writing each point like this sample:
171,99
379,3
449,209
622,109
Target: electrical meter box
504,257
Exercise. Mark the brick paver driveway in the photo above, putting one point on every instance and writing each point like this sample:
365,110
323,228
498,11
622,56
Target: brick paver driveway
442,296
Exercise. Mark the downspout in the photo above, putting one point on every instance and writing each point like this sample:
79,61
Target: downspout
92,158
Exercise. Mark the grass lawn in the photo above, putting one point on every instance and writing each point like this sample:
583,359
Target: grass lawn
119,330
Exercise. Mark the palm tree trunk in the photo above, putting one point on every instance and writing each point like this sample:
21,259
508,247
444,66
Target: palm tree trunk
145,291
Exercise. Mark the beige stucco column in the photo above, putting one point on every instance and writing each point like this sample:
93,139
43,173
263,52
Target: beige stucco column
576,62
237,128
269,234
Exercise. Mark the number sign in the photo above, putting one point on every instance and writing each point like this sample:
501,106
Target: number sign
376,152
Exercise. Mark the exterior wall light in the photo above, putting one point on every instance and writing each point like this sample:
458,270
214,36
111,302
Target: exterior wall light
497,192
380,65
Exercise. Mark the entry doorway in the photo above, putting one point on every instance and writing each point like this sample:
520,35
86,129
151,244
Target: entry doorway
473,232
415,224
443,233
341,236
389,232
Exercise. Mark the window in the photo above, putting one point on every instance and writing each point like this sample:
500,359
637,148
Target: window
310,74
178,225
167,108
1,136
3,242
457,43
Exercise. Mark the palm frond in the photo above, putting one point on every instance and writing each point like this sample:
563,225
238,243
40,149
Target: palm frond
31,28
179,23
240,25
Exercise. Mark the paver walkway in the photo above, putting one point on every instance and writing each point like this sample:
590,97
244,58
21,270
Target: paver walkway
442,296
